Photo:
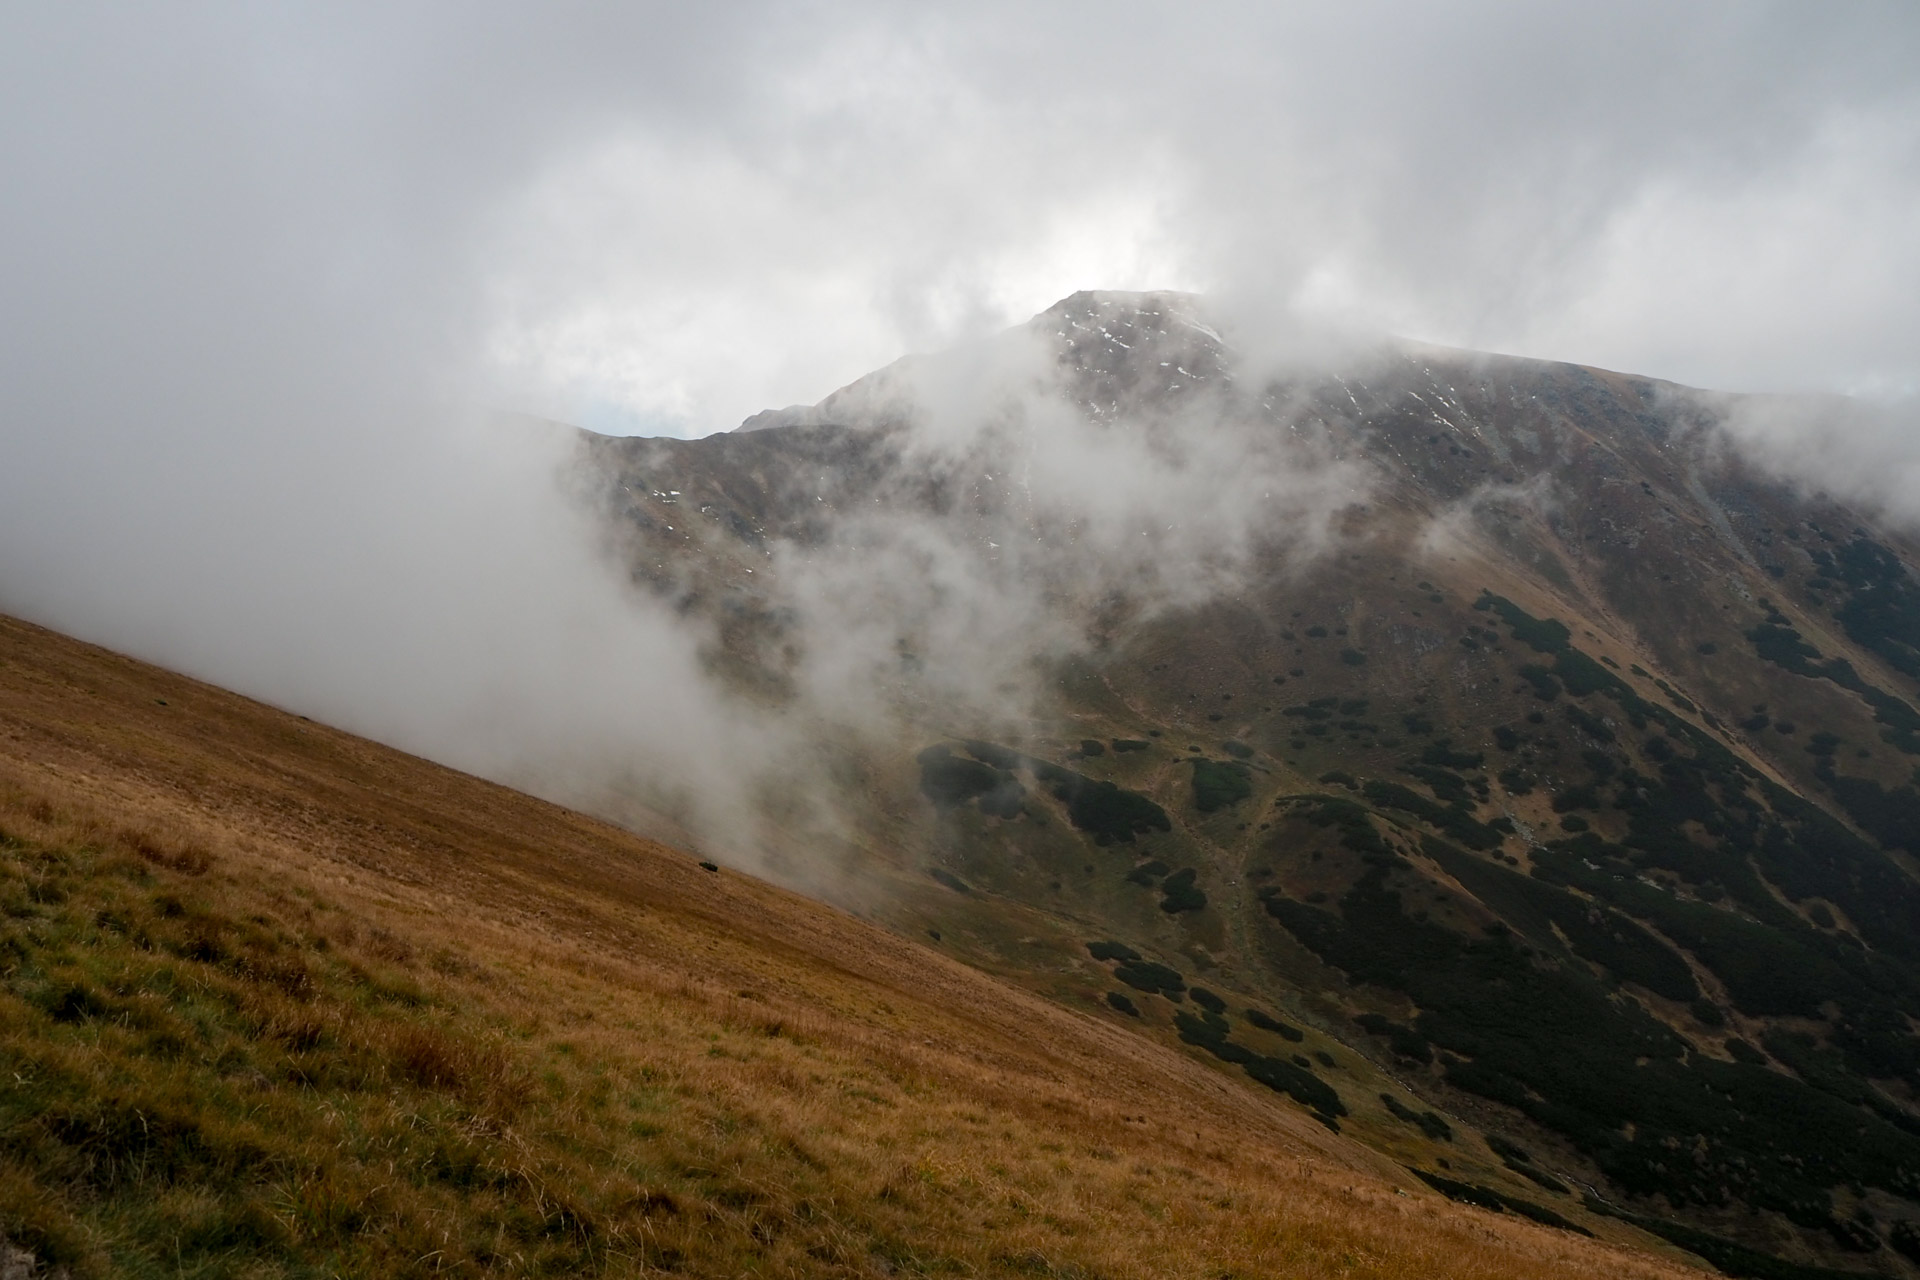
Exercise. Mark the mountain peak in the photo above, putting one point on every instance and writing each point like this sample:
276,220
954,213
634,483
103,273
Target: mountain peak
1500,708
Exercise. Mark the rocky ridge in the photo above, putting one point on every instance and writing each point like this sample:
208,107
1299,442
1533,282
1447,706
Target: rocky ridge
1482,752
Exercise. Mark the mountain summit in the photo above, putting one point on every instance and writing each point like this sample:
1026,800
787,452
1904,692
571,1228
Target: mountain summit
1497,725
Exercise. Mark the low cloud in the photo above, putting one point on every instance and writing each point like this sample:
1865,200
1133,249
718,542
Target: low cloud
267,278
1860,450
1060,513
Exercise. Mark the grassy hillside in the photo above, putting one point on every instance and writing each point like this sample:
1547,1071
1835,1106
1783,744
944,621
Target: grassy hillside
277,1001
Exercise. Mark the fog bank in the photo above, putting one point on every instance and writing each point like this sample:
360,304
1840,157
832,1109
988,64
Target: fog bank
268,276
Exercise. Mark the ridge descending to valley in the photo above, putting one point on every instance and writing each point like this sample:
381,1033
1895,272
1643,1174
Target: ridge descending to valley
1484,754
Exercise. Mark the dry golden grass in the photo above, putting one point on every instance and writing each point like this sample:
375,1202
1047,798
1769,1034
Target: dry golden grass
398,1020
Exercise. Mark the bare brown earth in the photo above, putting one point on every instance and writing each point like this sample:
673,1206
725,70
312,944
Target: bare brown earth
639,1064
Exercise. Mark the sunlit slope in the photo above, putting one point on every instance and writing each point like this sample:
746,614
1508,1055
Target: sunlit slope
281,1001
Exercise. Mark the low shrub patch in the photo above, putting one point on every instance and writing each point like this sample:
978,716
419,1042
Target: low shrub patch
1181,893
1154,979
1729,1257
1440,754
1451,819
1428,1122
1488,1198
1267,1022
1542,635
1545,687
948,780
1112,814
1209,1031
1516,1158
1404,1041
951,781
1219,783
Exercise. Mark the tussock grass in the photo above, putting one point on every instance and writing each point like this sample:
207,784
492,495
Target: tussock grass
278,1002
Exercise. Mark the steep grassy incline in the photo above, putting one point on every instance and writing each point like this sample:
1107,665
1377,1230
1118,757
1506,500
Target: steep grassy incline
277,1001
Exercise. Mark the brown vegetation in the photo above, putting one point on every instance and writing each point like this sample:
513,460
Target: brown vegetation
275,1000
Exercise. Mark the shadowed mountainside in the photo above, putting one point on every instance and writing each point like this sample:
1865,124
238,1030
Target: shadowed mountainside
1496,718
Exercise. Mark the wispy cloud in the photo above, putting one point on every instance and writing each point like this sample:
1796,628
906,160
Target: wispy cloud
264,273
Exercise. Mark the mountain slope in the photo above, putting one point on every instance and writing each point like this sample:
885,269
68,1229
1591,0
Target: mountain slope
276,1000
1498,718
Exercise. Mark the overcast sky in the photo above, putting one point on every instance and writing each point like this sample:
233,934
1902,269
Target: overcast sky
263,267
667,217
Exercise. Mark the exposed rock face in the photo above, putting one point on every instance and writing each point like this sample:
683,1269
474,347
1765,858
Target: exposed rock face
1503,703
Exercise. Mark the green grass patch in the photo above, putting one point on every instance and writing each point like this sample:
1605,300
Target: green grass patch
193,1088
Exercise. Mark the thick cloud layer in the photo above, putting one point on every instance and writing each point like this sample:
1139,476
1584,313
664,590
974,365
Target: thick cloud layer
1716,194
265,272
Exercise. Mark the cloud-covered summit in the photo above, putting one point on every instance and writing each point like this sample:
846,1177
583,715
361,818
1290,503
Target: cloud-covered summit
266,274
